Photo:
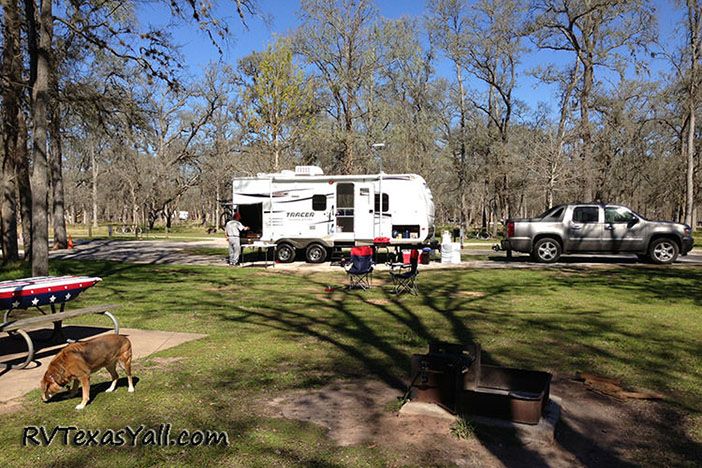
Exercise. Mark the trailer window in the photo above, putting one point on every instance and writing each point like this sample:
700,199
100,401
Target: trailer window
319,202
386,202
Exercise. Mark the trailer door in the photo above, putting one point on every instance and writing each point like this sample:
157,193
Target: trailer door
363,219
345,208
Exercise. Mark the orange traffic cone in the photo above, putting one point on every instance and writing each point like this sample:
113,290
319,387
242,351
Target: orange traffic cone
70,242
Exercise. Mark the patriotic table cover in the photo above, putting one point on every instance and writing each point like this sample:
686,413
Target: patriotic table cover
42,290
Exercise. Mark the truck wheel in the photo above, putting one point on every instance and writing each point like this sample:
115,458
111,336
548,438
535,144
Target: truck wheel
546,250
315,253
663,251
284,253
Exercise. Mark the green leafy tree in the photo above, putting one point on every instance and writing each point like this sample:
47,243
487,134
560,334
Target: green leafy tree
278,100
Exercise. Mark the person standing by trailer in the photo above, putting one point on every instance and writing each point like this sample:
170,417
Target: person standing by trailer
233,232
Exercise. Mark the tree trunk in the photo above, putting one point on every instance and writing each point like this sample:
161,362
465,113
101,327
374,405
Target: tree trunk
217,195
40,172
586,133
135,207
347,163
93,185
560,136
690,176
694,32
23,166
55,160
10,111
462,147
24,186
276,152
168,216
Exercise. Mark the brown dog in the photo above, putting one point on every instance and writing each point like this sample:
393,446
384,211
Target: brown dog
77,361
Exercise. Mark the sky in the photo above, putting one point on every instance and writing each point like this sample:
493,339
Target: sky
279,17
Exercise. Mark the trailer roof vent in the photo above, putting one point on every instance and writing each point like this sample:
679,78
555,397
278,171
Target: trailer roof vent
308,170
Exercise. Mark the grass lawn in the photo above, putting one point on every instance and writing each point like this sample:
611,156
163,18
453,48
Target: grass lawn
271,331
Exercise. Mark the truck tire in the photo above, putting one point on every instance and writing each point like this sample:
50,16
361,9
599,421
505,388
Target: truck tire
315,253
663,251
284,253
546,250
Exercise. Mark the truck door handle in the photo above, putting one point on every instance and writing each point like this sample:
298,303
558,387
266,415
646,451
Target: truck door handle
575,227
609,227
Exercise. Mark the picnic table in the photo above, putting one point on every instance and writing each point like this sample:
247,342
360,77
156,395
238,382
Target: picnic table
38,293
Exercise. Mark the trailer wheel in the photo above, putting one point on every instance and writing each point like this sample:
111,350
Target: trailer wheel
315,253
284,253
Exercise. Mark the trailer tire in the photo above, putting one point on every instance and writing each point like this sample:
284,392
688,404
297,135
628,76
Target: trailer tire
315,253
284,253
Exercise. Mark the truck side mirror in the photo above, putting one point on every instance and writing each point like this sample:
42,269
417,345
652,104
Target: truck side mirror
633,222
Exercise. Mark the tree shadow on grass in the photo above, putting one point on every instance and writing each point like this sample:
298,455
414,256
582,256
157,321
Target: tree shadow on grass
373,333
367,328
356,334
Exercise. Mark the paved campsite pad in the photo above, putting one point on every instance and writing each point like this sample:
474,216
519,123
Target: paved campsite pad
15,383
182,253
593,429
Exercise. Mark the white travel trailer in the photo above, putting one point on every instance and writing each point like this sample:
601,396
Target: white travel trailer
307,210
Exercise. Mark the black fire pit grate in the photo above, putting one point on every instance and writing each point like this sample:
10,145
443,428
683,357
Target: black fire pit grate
452,376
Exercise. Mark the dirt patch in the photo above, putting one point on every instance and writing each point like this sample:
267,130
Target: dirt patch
593,430
360,413
10,406
378,301
613,387
469,294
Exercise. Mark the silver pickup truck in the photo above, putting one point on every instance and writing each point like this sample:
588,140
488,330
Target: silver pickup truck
593,228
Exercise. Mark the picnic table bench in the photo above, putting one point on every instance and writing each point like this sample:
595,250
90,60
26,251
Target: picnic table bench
21,326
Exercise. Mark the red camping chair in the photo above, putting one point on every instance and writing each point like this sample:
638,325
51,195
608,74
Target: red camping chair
404,275
359,268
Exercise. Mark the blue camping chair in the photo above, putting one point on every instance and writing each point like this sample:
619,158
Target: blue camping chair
359,269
